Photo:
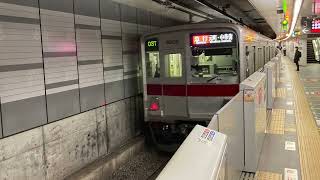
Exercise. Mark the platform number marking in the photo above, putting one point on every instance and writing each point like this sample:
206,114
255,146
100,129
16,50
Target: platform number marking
290,112
290,146
290,174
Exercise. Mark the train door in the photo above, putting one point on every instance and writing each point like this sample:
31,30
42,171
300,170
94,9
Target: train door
250,60
172,57
153,79
247,60
253,60
213,72
268,54
174,88
259,59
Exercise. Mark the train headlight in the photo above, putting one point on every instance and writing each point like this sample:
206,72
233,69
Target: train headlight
154,105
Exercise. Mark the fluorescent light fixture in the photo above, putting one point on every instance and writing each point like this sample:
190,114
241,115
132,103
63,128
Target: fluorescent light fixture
296,12
200,3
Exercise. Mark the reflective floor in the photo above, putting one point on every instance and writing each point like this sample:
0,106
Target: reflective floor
292,145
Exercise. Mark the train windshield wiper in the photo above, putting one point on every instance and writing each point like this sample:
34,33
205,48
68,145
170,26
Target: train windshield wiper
214,77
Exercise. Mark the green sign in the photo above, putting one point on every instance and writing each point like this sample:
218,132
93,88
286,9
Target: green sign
152,45
284,6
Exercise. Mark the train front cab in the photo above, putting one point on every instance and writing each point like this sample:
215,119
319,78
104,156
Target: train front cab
188,77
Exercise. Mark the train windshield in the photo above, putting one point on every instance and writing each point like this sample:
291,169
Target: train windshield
213,63
214,57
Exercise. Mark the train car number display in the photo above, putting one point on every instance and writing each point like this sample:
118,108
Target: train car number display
152,45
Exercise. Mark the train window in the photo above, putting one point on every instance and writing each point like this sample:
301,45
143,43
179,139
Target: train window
173,64
264,55
260,59
210,63
153,64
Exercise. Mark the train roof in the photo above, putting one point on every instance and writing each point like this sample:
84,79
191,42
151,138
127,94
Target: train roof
239,28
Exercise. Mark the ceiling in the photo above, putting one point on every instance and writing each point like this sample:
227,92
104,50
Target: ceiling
267,9
260,15
241,11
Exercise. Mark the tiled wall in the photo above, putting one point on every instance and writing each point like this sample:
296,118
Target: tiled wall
22,87
62,57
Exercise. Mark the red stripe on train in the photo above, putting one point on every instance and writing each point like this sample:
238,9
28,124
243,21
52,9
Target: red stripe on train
193,90
154,89
174,90
213,90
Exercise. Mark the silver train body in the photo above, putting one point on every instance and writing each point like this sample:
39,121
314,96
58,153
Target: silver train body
191,71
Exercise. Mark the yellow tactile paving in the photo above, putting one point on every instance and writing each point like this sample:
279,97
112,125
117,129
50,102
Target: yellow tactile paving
277,122
263,175
307,131
281,92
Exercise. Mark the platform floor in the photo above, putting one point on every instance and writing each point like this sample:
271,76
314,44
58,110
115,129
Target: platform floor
292,145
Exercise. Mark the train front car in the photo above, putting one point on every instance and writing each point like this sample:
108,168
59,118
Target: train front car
190,72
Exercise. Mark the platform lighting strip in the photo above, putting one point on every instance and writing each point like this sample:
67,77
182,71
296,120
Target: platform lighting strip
296,12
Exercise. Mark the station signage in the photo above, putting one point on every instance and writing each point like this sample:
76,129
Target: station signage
152,45
213,39
315,28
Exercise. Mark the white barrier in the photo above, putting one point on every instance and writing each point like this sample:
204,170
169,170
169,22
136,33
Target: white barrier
202,156
255,118
270,70
230,121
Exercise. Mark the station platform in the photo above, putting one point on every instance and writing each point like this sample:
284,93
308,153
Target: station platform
292,143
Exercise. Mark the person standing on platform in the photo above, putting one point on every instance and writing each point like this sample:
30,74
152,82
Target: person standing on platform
284,51
297,56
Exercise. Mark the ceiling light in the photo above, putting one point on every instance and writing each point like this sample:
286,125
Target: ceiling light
296,12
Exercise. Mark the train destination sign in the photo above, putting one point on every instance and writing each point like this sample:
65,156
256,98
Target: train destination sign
213,39
152,45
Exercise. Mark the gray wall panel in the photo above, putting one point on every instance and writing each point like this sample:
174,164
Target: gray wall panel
57,5
128,14
119,125
131,87
139,114
110,10
64,104
114,91
92,97
23,115
31,3
87,7
0,122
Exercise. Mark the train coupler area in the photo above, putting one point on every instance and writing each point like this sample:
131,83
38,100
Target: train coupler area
169,136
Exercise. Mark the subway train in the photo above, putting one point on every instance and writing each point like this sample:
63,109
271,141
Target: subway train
191,71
